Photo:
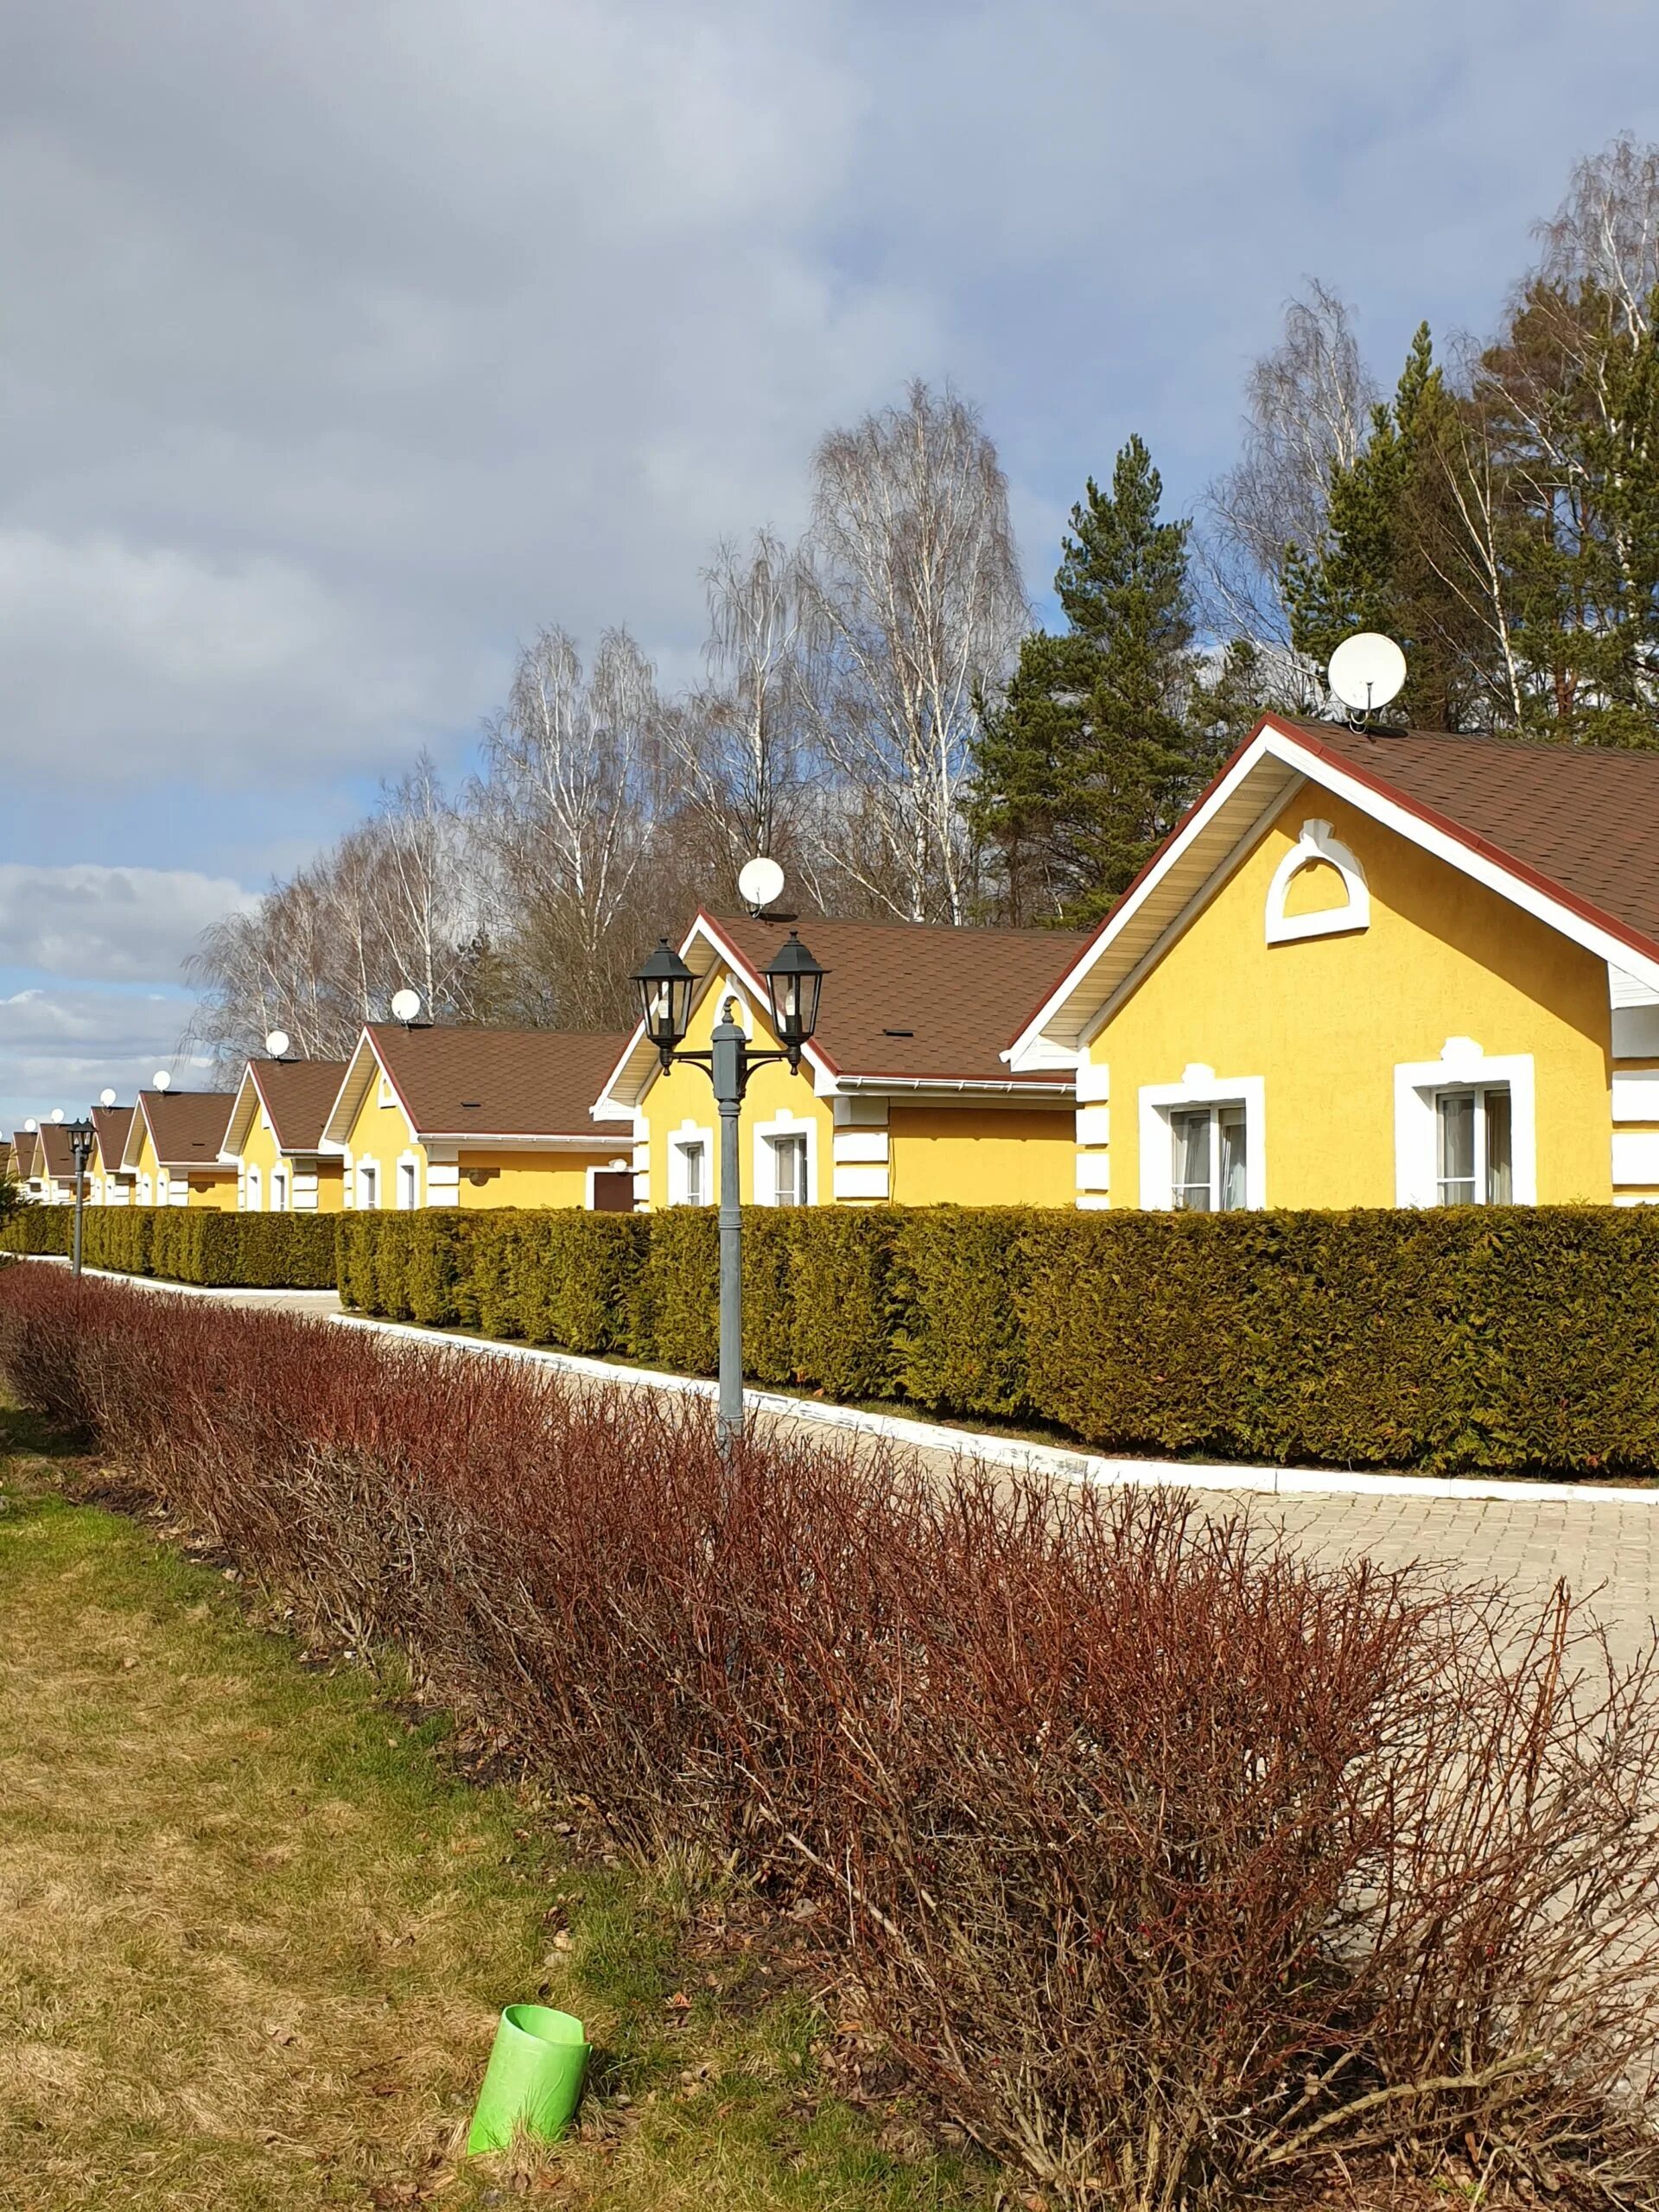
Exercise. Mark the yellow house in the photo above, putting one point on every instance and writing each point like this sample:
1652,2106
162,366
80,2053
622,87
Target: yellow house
172,1150
1374,970
274,1138
479,1117
54,1166
112,1184
25,1152
901,1095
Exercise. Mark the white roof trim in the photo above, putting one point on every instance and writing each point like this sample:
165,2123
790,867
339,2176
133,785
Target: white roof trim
1275,745
705,951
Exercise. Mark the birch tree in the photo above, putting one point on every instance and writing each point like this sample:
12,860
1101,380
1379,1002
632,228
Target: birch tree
917,586
568,809
743,741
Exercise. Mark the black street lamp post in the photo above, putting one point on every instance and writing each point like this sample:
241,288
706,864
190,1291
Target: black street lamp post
82,1139
793,981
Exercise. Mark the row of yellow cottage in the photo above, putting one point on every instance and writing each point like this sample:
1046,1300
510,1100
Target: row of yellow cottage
1367,968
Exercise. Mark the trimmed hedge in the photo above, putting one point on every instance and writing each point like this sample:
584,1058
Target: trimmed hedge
36,1229
1522,1339
249,1251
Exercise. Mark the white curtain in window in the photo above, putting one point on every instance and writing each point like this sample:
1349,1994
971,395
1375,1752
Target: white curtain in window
789,1169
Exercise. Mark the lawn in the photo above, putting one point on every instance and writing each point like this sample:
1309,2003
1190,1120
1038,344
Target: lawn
255,1929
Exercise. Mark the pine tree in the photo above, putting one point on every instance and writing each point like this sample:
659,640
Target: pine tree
1384,561
1091,757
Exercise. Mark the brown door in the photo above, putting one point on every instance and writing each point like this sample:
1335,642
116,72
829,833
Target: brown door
613,1189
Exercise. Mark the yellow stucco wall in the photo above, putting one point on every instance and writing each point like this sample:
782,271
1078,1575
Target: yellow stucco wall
1324,1021
212,1188
532,1179
937,1153
381,1133
684,1095
141,1195
980,1156
260,1151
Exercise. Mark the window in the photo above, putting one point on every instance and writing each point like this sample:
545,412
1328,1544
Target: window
689,1183
253,1193
368,1187
408,1186
279,1190
1474,1147
1210,1149
788,1170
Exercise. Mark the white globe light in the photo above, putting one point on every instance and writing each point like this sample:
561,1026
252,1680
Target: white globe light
760,882
1366,671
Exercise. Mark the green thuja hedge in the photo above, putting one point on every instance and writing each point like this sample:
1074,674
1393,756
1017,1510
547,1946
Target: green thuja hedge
1522,1339
36,1229
249,1251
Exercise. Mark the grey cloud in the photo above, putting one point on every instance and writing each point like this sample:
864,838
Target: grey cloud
61,1048
120,924
354,343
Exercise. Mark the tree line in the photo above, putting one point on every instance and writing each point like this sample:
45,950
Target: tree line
877,712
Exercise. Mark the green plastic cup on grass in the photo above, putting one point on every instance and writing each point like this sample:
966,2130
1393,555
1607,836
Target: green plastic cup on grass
533,2080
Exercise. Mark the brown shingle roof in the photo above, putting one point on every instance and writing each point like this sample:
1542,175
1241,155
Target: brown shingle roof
954,995
297,1096
57,1154
500,1083
22,1152
188,1127
1583,822
112,1124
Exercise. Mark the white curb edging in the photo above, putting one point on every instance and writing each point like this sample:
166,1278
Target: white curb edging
228,1291
1038,1459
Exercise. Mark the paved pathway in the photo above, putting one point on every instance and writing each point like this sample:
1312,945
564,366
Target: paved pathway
1601,1547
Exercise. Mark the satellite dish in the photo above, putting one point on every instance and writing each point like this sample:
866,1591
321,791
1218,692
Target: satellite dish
31,1125
1366,671
106,1098
406,1006
759,882
163,1078
57,1113
276,1043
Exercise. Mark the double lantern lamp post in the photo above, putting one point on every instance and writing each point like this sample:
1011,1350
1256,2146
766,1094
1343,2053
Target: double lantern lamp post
82,1139
794,981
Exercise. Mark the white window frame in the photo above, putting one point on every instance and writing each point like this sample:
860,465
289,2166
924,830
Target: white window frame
1201,1086
690,1135
368,1187
1317,846
1462,1066
765,1176
407,1183
145,1191
279,1190
253,1199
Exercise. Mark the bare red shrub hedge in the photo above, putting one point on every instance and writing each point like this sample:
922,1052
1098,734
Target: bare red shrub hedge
1172,1863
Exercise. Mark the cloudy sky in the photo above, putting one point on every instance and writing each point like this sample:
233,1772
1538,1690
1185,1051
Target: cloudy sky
343,342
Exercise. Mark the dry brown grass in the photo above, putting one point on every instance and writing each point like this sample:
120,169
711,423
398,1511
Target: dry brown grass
253,1937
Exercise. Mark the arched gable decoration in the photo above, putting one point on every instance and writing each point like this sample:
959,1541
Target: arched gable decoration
1317,843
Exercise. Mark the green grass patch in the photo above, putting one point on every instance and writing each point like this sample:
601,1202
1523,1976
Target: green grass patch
255,1929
